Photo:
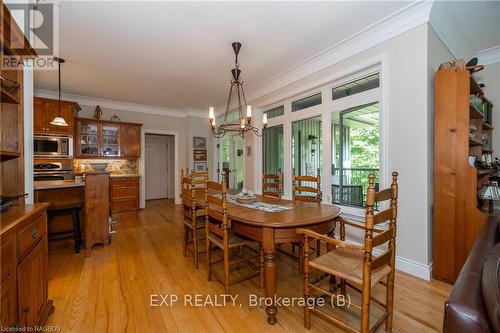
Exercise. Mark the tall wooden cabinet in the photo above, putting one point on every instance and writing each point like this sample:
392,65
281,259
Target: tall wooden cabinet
457,218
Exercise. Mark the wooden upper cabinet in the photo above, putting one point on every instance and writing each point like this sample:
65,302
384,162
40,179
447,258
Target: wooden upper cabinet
130,140
107,139
45,110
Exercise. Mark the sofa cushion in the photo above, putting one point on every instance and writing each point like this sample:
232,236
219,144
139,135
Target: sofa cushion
491,287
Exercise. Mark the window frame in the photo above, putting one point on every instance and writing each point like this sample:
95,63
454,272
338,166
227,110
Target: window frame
379,64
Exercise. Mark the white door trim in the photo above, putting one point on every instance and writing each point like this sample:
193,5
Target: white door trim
145,131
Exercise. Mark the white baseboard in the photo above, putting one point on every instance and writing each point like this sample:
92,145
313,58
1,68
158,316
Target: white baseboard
414,268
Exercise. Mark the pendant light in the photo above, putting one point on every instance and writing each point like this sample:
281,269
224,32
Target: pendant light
59,120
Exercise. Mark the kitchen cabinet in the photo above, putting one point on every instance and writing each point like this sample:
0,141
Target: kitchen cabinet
23,268
124,194
107,139
45,110
131,140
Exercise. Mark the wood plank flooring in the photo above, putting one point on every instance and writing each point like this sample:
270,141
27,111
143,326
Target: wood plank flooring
110,290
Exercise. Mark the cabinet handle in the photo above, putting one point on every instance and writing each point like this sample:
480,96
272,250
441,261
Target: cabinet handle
26,309
34,233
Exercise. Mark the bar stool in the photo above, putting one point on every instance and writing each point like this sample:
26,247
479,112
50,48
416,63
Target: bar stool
74,210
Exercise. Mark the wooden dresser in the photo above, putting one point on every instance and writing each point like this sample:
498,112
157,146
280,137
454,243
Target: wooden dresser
23,268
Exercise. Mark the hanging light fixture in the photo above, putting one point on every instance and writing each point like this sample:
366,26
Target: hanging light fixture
244,122
59,120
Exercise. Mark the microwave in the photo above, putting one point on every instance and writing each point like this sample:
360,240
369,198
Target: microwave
53,146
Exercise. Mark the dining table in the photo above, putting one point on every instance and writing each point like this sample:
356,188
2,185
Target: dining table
271,228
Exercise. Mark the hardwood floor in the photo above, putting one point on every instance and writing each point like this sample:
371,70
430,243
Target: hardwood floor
110,290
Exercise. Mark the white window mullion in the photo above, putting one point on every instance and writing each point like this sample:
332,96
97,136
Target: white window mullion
326,150
287,144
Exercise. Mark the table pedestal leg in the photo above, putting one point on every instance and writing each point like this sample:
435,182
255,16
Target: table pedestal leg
269,273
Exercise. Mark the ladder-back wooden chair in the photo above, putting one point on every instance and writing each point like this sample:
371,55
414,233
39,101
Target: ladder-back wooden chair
198,178
219,233
193,219
271,185
308,192
356,265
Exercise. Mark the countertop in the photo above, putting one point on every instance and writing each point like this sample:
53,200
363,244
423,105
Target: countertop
50,184
13,217
124,175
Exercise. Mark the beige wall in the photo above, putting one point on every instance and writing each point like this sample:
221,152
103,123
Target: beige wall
409,134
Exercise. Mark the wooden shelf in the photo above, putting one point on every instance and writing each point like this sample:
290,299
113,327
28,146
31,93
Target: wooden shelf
7,155
475,89
484,172
487,127
7,97
474,112
474,142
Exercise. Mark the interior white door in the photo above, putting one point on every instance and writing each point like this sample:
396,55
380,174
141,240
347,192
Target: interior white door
156,164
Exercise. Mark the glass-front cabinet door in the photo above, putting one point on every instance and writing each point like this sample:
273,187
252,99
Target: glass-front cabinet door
89,139
110,140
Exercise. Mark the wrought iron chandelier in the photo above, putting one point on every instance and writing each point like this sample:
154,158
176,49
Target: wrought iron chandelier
244,123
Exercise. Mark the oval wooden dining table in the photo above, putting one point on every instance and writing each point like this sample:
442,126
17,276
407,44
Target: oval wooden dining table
271,228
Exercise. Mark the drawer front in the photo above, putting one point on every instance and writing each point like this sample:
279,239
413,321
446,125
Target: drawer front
8,257
125,181
124,205
30,235
122,192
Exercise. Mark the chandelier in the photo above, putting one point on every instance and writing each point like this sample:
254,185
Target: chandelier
244,123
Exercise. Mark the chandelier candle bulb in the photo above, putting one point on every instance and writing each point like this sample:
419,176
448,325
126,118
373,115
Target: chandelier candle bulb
264,119
249,111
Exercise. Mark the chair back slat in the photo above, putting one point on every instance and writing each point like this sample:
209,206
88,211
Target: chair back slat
304,188
383,195
306,193
382,238
381,260
383,216
271,185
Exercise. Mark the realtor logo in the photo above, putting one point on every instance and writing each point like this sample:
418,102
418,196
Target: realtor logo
39,23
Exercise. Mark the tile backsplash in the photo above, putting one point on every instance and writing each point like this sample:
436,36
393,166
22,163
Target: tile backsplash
115,166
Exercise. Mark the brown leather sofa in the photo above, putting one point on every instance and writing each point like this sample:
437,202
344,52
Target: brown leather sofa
474,303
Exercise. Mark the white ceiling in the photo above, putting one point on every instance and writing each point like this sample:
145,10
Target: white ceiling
178,54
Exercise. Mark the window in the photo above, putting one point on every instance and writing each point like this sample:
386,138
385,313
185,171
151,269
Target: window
276,112
355,153
357,86
306,146
306,102
272,146
230,154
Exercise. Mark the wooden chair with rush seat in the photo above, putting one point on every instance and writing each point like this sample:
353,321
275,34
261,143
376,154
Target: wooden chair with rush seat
219,233
354,264
193,217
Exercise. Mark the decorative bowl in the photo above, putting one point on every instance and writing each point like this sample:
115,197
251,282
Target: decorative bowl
99,166
246,200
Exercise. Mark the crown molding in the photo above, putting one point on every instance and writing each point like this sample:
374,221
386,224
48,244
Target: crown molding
120,105
489,56
409,17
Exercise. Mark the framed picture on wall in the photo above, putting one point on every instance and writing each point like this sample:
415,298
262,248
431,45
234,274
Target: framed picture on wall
200,166
199,142
200,155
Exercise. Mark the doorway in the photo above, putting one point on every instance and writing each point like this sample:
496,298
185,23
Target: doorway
159,166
